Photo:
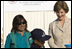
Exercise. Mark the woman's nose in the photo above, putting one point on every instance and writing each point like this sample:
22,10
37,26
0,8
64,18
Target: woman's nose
59,14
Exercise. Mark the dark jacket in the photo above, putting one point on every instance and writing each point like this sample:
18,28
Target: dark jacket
33,45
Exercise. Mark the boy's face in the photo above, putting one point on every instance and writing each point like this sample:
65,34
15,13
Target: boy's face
39,43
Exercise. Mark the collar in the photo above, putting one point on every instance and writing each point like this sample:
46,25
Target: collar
66,19
20,34
36,46
58,23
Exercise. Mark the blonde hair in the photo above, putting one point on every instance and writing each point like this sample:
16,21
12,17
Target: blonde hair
61,5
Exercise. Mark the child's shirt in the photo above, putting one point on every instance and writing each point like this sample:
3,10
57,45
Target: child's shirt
33,45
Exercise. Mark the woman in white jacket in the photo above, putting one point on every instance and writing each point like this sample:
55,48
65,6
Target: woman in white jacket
60,29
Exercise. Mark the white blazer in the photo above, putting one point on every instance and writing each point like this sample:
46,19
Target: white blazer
59,36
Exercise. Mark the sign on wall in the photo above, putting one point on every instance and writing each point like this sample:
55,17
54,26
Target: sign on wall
30,5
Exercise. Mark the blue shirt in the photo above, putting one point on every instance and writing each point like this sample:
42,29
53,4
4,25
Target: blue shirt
21,41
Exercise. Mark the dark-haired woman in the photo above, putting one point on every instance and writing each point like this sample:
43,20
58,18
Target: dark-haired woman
19,36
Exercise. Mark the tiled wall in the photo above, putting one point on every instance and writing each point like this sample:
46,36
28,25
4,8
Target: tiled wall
35,19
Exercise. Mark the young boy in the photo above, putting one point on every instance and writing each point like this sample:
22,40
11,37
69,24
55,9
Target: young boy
39,37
